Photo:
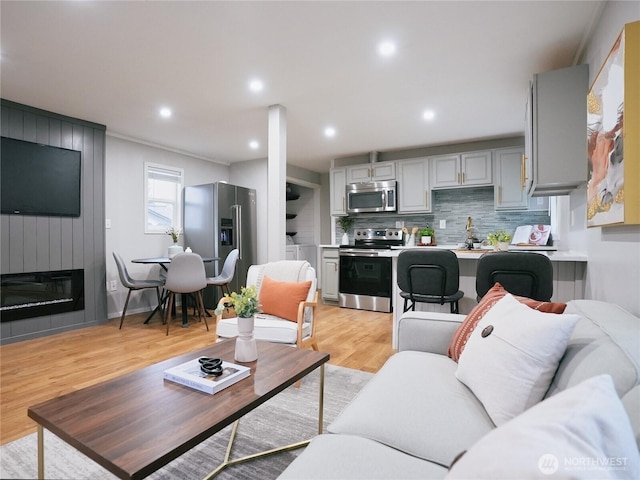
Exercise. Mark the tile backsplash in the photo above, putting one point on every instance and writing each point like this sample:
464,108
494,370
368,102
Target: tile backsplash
455,206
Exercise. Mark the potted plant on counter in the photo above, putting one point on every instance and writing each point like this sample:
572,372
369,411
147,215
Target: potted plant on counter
345,224
500,240
426,236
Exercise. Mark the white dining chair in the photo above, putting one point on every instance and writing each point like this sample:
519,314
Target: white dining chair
133,284
186,274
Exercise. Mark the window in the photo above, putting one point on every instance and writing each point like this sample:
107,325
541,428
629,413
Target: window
163,199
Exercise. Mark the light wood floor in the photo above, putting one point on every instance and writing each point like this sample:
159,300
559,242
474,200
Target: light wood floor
36,370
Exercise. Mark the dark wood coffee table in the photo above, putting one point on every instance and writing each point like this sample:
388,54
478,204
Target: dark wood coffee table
135,424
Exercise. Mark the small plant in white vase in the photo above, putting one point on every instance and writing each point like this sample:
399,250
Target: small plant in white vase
500,240
426,236
345,224
174,233
246,306
174,249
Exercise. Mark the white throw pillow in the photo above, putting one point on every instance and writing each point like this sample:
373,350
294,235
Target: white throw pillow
512,355
581,432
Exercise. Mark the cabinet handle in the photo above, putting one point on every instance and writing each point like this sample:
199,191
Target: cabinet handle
463,178
426,199
344,206
522,167
500,194
458,177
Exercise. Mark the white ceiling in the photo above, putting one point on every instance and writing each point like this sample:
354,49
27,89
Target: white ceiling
117,63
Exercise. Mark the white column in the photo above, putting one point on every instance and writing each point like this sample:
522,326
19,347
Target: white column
276,183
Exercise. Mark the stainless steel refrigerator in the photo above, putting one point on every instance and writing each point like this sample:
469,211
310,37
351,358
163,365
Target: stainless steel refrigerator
219,217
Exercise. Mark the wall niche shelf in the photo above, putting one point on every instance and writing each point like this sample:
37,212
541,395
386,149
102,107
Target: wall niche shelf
292,234
291,216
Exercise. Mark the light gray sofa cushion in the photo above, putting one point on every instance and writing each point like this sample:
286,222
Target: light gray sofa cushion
605,341
344,456
415,404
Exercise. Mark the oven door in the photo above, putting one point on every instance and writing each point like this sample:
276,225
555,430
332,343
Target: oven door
365,280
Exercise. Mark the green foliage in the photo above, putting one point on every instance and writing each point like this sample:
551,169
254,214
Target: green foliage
346,223
174,233
244,303
498,236
427,232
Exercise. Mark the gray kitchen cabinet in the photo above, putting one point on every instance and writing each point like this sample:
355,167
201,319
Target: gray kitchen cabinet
555,131
470,169
414,191
337,188
509,189
291,253
330,274
371,172
301,252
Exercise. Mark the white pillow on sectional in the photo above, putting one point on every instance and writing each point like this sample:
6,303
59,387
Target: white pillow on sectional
512,355
581,432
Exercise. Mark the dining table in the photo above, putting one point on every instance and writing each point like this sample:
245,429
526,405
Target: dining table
164,262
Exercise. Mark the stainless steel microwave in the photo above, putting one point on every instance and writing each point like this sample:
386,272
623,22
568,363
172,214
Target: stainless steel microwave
371,197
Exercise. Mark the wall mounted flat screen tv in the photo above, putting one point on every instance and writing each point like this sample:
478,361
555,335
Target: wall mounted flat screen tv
38,179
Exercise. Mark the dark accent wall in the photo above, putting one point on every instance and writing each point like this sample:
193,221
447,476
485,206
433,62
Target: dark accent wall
40,243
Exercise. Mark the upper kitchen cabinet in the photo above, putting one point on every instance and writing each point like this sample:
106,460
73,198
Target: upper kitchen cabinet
555,126
471,169
371,172
510,191
337,187
414,194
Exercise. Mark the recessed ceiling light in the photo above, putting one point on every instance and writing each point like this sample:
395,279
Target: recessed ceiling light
165,112
428,114
329,132
386,48
253,144
256,85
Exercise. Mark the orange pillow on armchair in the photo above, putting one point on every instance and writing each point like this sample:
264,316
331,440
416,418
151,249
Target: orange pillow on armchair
282,298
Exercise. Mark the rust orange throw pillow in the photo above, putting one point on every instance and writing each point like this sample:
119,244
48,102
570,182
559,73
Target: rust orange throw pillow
496,292
282,298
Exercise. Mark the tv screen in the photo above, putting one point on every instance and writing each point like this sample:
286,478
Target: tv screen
39,180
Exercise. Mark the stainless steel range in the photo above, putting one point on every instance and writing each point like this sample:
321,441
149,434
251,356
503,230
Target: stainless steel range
365,275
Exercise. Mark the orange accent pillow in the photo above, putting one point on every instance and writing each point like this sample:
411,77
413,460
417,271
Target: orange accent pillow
496,292
282,298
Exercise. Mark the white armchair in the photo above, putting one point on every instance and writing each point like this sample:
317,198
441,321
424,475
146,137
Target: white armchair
271,328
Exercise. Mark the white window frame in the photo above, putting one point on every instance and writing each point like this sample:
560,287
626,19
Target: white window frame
150,167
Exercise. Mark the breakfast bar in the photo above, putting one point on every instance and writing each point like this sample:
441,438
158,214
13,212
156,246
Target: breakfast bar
569,269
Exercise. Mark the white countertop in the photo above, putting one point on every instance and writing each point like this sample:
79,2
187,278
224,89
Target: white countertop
554,256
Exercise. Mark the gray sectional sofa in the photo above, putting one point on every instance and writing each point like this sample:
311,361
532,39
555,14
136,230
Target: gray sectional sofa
415,417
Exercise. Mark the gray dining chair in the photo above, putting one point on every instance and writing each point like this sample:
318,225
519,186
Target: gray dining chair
186,275
429,275
527,274
133,284
228,271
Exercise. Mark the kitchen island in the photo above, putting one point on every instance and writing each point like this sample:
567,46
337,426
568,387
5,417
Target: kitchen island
569,269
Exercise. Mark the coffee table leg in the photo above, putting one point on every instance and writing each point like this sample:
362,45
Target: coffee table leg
40,452
321,401
228,462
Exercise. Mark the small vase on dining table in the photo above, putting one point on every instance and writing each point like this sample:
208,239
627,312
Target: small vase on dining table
174,250
246,348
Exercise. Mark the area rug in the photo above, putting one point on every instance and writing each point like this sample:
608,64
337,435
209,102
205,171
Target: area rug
289,417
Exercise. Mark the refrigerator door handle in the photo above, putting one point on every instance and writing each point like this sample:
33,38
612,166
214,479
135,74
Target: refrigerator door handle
237,219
